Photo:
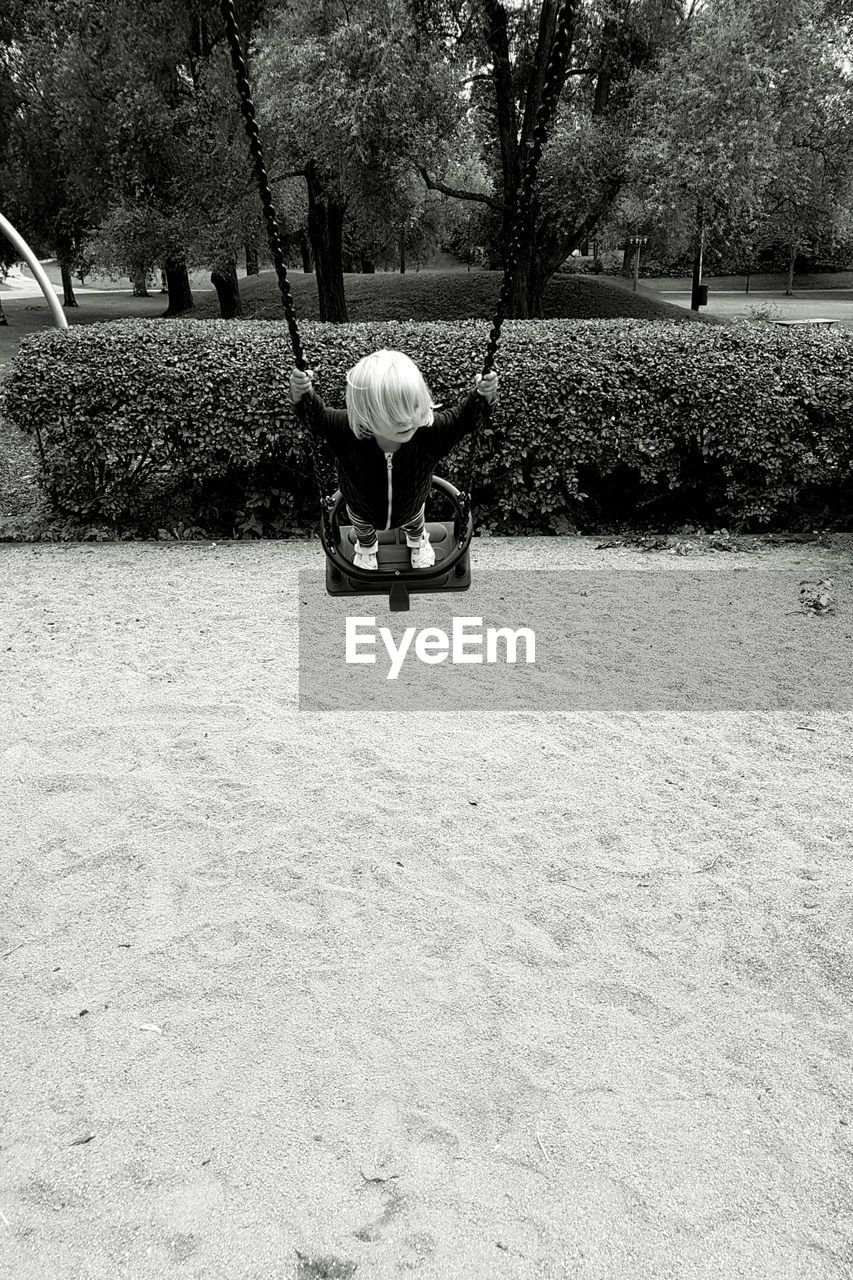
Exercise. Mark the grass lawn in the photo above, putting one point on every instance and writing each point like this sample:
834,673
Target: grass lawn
445,295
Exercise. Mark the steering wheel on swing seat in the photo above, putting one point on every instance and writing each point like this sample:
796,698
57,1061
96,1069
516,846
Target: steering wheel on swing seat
450,540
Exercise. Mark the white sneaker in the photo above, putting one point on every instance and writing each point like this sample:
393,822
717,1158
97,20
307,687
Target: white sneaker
423,555
364,559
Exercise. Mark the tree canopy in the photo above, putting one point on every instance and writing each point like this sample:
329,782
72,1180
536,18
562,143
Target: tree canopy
389,123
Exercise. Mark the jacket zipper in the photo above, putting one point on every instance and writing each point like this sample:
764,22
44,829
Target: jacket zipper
389,458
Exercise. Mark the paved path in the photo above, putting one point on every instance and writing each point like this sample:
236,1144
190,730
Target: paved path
727,302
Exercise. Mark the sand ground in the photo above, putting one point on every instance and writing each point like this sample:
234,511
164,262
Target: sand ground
331,995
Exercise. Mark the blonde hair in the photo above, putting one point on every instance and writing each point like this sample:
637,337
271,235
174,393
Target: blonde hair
386,392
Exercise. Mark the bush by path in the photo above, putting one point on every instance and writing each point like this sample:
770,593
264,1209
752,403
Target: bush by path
600,423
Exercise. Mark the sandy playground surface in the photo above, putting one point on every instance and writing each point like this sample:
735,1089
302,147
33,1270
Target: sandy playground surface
309,996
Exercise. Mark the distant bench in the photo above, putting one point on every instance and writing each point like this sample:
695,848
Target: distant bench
790,324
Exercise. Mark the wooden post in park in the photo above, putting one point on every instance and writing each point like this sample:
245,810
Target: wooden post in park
695,302
35,266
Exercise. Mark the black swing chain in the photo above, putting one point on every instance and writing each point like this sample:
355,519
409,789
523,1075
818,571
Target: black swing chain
547,104
322,468
554,76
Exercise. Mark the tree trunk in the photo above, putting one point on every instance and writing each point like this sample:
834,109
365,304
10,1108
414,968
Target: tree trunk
67,286
178,284
792,257
252,264
326,232
611,34
401,245
224,281
539,272
518,305
535,292
164,288
140,284
626,260
3,320
538,258
527,279
305,250
368,266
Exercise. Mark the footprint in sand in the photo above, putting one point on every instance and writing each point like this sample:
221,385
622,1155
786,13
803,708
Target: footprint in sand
323,1268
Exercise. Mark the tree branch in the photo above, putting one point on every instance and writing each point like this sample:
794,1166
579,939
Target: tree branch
536,82
478,196
557,247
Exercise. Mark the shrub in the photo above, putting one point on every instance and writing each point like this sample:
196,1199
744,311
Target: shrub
579,266
600,423
763,313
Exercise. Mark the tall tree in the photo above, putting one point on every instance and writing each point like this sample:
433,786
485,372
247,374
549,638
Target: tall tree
52,207
350,97
9,102
704,149
503,51
155,131
745,128
810,201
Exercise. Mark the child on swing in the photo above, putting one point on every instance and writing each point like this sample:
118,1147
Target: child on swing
386,444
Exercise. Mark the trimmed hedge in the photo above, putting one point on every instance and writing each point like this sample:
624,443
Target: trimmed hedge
600,423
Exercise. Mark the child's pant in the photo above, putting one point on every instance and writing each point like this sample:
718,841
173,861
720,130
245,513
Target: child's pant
366,533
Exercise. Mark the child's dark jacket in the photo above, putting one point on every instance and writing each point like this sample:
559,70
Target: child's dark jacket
363,468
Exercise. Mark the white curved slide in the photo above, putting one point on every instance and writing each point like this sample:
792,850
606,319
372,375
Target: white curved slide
35,266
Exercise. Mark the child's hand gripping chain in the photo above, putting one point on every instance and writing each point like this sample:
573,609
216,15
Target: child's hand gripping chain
300,384
488,386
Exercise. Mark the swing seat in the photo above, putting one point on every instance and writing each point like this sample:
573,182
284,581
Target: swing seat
395,575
